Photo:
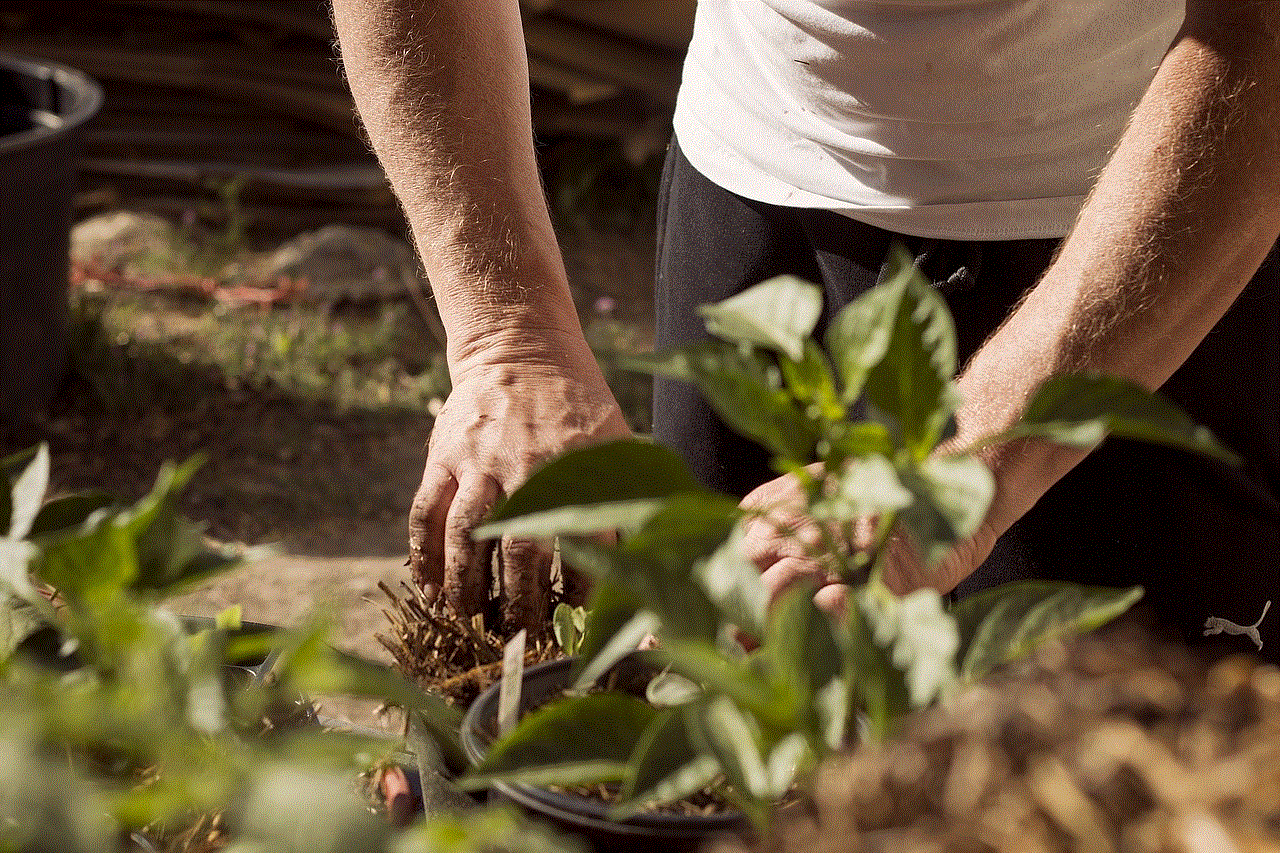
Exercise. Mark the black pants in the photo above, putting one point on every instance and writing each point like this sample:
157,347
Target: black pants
1201,537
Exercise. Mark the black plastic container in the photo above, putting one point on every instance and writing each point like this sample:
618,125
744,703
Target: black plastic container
651,832
43,110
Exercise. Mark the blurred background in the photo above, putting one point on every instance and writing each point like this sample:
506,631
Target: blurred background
240,282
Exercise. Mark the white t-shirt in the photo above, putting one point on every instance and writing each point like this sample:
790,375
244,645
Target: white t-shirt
961,119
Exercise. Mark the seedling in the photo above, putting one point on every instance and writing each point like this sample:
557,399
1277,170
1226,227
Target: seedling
754,724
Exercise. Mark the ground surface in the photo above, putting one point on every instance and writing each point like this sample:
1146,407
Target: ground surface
312,417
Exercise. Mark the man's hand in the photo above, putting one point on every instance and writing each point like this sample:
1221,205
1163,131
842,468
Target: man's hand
789,548
501,422
442,87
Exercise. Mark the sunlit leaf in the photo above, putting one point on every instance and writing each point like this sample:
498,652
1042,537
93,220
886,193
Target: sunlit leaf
66,512
912,386
876,682
703,664
787,758
1006,622
667,766
292,806
863,487
777,314
812,382
735,739
569,625
627,471
688,527
28,494
314,668
19,619
670,689
582,520
1082,410
739,387
228,619
801,650
733,583
859,335
596,730
483,831
952,495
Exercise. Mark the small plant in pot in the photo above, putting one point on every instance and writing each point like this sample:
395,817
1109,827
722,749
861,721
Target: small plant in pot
750,721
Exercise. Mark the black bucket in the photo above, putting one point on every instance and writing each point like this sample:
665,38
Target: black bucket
43,110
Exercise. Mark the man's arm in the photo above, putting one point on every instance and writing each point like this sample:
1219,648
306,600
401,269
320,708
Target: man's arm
442,88
1178,223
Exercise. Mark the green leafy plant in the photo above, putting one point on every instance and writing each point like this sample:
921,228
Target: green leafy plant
569,624
753,724
117,717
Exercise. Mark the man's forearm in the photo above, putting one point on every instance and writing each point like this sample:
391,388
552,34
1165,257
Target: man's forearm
1178,223
442,89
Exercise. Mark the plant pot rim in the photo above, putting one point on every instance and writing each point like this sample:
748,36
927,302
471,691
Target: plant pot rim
570,809
85,97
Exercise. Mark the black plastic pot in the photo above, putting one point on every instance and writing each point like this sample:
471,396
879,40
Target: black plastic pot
43,109
651,832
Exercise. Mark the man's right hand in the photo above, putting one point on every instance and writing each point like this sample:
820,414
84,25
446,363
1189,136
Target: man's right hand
506,416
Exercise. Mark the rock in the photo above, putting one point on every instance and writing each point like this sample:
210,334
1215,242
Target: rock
344,263
125,241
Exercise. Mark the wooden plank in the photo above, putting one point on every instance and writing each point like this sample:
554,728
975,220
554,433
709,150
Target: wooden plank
652,72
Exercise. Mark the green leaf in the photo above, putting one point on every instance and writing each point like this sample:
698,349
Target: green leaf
1006,622
833,710
626,471
801,652
859,335
920,635
778,314
854,439
876,683
66,512
733,583
565,774
863,487
228,619
787,758
703,664
313,668
28,494
620,644
15,562
1081,410
599,730
19,619
952,494
11,467
97,559
741,390
574,520
813,384
687,528
660,578
912,385
481,831
667,766
735,740
568,624
669,689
